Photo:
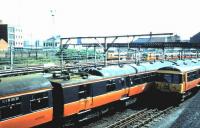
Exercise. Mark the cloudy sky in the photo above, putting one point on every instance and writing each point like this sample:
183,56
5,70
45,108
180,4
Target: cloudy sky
102,17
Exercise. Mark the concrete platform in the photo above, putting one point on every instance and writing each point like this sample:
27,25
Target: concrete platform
190,116
187,115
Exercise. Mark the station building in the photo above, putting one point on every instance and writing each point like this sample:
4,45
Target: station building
52,42
174,38
12,34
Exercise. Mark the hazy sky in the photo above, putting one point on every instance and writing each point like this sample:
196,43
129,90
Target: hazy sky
103,17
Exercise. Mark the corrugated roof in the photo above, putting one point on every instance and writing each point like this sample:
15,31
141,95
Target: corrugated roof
150,40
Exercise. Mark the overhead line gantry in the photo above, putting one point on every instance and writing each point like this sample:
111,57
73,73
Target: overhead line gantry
105,45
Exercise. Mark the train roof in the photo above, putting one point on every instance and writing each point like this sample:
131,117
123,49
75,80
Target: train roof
23,83
187,62
180,69
111,71
145,67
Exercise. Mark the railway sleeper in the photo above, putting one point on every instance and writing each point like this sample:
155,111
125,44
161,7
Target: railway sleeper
150,119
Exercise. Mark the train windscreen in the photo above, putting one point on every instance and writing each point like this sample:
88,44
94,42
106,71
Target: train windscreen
169,78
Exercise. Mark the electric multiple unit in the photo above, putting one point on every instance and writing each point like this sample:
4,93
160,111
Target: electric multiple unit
50,100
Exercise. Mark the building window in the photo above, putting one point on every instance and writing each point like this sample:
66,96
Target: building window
11,36
11,29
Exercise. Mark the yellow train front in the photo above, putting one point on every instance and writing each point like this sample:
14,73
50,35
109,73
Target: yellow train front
180,79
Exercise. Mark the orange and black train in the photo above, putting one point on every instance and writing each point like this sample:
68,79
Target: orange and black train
54,99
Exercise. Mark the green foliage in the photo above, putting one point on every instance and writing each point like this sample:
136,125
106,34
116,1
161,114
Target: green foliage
73,54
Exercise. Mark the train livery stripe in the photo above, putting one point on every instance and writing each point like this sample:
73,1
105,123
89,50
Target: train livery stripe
137,89
29,120
81,105
191,84
108,98
71,108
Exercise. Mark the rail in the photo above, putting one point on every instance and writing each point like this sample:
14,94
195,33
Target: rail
140,118
41,68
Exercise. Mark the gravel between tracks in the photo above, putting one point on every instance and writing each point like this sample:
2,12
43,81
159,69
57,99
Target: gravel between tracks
185,115
110,119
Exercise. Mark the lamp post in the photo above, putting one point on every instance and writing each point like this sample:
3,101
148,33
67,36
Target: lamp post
52,12
11,55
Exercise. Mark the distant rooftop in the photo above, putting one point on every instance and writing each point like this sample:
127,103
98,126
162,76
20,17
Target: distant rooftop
195,38
174,38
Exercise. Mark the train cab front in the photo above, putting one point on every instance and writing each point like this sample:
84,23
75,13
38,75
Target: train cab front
169,82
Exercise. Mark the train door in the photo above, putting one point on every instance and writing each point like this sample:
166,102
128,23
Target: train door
184,77
118,86
85,97
124,86
128,83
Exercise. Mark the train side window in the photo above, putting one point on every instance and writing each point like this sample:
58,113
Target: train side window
129,81
153,77
146,78
150,77
98,88
111,86
39,101
84,91
143,79
177,79
188,76
195,75
119,83
10,107
158,76
133,80
198,73
123,82
192,76
136,80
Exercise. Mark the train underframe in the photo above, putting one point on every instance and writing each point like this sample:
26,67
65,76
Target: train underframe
77,119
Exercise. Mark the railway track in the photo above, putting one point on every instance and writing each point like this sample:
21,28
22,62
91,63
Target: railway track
41,68
142,118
